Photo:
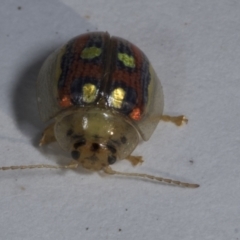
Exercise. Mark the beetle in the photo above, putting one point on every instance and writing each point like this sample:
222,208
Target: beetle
102,95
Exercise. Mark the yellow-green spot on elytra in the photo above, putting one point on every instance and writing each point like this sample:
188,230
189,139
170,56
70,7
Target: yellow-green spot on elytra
127,60
91,52
117,97
89,92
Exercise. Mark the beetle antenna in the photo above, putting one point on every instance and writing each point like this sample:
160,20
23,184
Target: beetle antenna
72,165
109,170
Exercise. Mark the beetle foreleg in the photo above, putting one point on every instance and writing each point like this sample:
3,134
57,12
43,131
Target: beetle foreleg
48,135
135,160
177,120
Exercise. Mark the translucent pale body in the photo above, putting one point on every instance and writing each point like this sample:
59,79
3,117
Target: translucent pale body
99,126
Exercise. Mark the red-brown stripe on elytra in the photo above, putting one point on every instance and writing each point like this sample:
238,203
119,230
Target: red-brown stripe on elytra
138,56
129,78
78,69
133,79
76,47
88,70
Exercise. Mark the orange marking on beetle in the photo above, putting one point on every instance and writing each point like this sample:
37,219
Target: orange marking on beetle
65,101
135,114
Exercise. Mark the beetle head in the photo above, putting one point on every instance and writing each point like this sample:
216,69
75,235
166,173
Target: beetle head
94,154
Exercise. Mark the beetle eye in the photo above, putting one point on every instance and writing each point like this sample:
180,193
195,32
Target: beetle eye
79,143
111,148
95,147
111,159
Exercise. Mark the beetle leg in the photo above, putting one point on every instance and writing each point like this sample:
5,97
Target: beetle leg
135,160
48,135
177,120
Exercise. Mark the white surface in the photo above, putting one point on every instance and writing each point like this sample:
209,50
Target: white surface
195,48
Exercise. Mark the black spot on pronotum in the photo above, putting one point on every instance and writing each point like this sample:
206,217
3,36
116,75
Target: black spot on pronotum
76,136
111,159
115,142
123,139
79,143
95,147
75,154
69,132
111,148
96,136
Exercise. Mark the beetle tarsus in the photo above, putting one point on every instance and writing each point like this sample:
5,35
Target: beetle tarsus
135,160
177,120
48,135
